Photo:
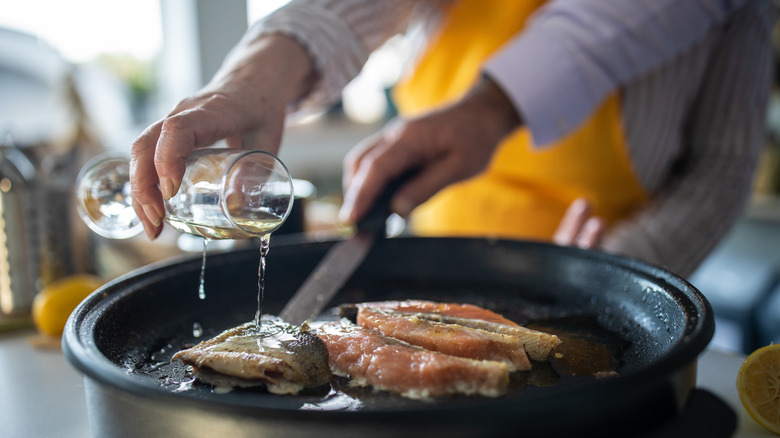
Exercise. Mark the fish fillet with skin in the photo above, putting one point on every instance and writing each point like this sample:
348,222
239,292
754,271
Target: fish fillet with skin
452,339
369,358
539,345
282,357
469,311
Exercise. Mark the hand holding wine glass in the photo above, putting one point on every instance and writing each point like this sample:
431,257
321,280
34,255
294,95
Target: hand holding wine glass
224,194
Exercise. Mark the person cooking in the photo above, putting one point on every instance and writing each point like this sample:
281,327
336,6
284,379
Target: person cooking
629,126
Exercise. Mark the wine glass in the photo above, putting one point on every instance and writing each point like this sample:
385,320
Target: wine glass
225,194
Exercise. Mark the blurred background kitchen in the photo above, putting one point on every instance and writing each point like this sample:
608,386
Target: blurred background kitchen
85,76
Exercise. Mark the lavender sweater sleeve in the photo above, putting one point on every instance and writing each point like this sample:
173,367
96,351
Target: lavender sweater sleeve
575,52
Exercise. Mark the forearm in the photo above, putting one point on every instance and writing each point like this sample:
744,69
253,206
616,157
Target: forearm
337,35
489,106
247,67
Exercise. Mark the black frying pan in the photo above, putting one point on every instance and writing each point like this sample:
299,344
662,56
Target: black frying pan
654,323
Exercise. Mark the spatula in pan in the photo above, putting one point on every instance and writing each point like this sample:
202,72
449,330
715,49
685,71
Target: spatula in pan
341,260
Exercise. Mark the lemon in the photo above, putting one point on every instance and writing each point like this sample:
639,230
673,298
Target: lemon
758,386
54,303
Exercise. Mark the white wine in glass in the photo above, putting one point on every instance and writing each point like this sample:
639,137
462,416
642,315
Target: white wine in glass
224,194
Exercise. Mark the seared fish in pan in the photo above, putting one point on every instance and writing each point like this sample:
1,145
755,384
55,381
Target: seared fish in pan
369,358
419,349
466,311
452,339
539,345
282,357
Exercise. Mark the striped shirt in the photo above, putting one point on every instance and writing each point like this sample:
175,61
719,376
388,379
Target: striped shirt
694,77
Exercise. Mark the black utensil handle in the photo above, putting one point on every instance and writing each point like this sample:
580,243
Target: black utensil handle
374,221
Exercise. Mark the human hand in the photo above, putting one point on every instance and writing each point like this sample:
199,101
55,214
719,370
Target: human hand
445,146
579,227
245,105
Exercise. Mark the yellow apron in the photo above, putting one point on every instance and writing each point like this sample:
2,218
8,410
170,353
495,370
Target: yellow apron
525,191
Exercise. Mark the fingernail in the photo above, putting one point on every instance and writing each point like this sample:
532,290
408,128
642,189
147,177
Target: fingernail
166,187
345,212
149,232
152,215
347,205
591,233
579,205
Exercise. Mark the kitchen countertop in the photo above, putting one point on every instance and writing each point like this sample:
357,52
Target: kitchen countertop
43,396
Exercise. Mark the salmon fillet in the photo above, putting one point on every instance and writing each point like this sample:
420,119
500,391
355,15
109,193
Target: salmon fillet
452,339
369,358
469,311
539,345
282,357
